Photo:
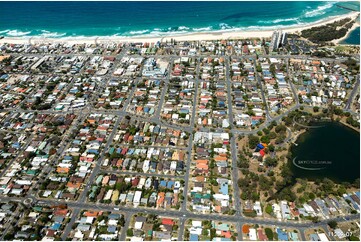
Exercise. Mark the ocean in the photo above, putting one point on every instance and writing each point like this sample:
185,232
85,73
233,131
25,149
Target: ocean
80,19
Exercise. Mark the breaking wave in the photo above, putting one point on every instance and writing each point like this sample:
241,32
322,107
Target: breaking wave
224,26
138,32
278,20
319,10
48,34
183,28
17,33
203,29
4,31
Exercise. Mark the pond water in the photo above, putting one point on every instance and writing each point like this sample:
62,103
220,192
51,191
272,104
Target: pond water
332,151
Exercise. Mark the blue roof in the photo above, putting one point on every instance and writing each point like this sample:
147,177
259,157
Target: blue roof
224,188
111,229
114,216
76,141
56,226
254,122
282,235
358,194
193,237
163,183
170,184
92,151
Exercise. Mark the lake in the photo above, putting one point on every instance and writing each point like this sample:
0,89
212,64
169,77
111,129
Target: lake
332,151
353,38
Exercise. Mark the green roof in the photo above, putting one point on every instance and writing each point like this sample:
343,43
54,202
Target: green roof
92,194
207,196
99,179
37,208
223,226
42,145
31,172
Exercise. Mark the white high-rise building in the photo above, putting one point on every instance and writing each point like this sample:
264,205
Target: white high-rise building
279,39
273,45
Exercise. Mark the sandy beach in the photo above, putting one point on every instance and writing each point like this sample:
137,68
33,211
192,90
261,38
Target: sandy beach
190,37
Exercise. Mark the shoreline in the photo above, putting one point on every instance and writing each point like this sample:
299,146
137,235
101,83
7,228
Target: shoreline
295,136
349,126
215,35
338,41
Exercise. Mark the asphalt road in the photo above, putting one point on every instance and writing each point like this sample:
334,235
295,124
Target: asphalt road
268,116
189,215
190,142
353,93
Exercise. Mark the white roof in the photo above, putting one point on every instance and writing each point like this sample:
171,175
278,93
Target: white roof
197,231
252,234
78,234
323,237
89,220
196,223
138,225
136,239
